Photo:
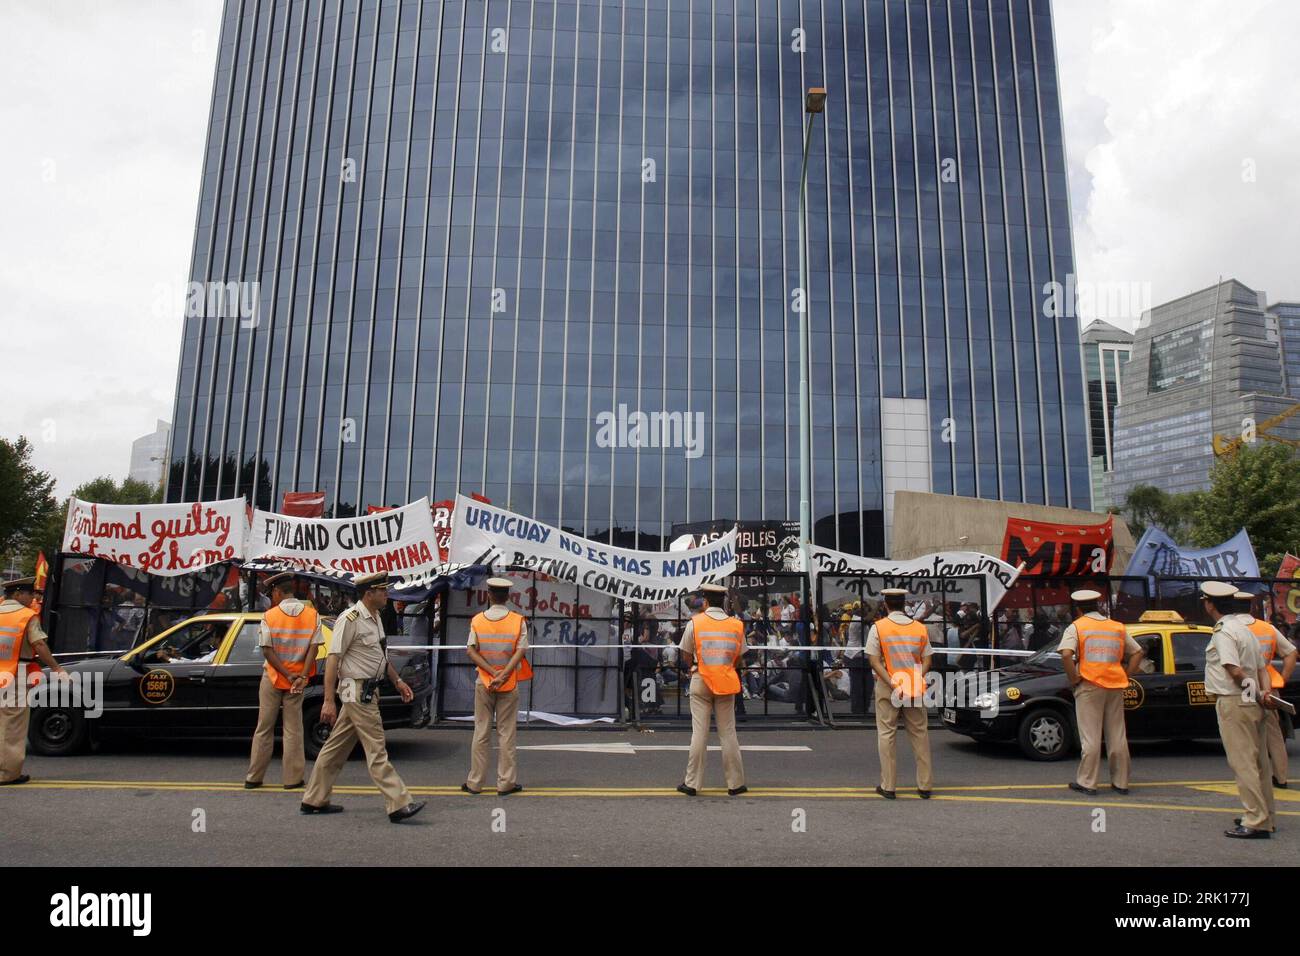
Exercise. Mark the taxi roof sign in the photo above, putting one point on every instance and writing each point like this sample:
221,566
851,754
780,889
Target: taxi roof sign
1160,617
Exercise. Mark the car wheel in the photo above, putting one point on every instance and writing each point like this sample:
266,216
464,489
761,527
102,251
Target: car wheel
58,731
1046,734
314,731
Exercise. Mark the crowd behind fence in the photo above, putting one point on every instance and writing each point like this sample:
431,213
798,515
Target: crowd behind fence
598,658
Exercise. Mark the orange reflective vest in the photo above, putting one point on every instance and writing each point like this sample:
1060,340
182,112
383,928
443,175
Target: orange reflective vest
718,645
1101,651
497,641
901,647
1267,638
291,641
13,626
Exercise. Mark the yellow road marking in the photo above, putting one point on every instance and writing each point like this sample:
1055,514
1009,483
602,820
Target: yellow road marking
948,794
1230,789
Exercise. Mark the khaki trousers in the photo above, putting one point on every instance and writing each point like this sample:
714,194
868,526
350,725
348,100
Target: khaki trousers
271,701
723,708
357,722
1276,744
1245,739
918,735
505,706
13,741
1099,712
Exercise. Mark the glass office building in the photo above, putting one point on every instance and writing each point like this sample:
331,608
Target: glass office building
477,227
1106,349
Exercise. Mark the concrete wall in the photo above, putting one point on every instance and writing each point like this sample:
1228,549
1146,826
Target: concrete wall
926,522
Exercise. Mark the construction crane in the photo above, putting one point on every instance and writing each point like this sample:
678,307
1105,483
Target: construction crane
1227,447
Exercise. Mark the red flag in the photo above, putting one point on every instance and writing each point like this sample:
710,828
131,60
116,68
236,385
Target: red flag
42,570
303,504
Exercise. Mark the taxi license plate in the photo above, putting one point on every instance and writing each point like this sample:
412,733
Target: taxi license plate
949,716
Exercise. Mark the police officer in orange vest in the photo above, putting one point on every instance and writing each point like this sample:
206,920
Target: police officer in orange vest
713,642
1273,645
290,639
22,643
898,649
1094,650
498,640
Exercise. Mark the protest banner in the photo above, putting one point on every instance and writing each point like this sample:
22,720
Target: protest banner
485,534
399,541
1158,555
166,539
1059,550
998,575
1286,596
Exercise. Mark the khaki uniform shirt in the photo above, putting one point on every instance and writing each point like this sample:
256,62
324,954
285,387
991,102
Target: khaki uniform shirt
495,613
898,617
356,639
293,608
687,643
1231,643
35,634
1070,638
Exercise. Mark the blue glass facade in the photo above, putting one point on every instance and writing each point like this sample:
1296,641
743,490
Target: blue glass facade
478,225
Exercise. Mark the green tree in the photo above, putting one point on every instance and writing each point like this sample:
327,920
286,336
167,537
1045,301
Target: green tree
27,501
1147,505
1257,488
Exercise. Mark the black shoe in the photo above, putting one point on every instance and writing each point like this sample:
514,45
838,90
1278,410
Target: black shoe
1237,821
689,791
294,786
406,812
464,788
1120,790
21,778
887,794
738,791
1080,788
327,808
1279,784
924,794
252,784
505,793
1247,833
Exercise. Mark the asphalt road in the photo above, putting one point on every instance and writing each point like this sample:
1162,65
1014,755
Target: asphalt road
141,803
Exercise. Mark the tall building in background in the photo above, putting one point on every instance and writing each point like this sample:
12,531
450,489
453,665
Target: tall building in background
1210,363
477,226
149,455
1105,351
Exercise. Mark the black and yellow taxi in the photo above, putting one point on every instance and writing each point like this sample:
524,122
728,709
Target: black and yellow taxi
199,679
1030,702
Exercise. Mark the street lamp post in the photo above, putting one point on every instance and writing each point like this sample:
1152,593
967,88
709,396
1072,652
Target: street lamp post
814,102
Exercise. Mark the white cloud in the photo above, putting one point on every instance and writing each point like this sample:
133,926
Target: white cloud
1168,105
104,112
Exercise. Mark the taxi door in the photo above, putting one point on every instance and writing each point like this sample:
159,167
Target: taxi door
164,686
233,688
1196,717
1154,694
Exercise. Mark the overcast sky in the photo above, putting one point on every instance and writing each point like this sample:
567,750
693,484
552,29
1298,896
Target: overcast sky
1182,130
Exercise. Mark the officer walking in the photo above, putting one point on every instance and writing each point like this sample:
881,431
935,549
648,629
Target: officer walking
898,649
22,643
357,662
290,638
1237,680
1272,645
498,640
1099,657
714,642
